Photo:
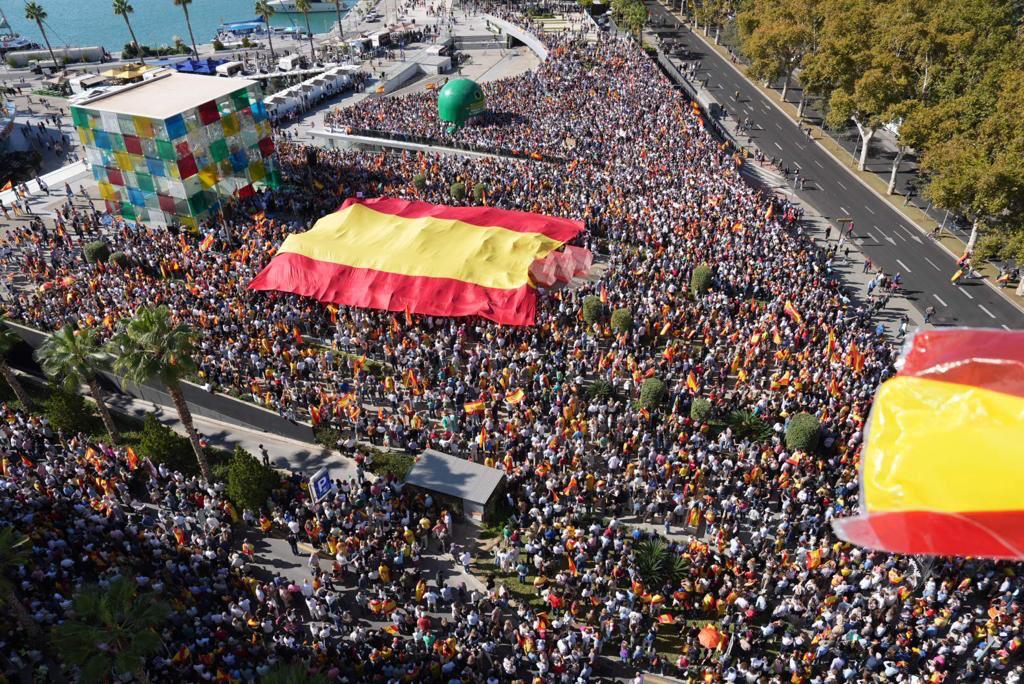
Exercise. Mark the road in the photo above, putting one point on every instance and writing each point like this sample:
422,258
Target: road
883,233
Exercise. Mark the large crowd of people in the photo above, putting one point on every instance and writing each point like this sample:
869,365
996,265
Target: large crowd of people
593,478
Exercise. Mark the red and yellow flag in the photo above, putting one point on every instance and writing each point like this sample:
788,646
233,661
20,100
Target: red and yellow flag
429,259
940,471
474,407
207,243
132,457
791,311
515,396
691,382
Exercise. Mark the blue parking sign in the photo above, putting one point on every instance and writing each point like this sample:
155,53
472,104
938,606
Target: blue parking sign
321,484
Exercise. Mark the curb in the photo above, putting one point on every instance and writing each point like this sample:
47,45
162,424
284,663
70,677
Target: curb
851,172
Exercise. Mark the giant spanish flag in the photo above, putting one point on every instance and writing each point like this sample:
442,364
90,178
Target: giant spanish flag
424,258
943,463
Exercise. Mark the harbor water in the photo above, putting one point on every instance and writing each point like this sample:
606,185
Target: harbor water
156,22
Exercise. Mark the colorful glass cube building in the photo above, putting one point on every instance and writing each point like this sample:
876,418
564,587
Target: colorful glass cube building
170,149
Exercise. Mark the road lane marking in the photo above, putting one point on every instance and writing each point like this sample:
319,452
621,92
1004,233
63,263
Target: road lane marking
966,293
904,266
819,164
779,146
990,314
932,263
940,300
846,213
799,145
797,165
841,184
869,209
916,239
891,241
873,238
901,237
777,125
1005,327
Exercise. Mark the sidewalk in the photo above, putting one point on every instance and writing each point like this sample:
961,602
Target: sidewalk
917,217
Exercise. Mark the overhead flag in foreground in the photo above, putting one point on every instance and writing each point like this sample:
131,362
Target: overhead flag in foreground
423,258
941,468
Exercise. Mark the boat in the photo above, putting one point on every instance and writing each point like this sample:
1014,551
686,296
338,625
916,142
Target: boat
289,6
234,31
9,40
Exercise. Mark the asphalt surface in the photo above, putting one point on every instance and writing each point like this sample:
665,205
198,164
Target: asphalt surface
885,235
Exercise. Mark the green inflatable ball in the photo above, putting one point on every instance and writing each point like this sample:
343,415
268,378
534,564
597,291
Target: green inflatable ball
460,100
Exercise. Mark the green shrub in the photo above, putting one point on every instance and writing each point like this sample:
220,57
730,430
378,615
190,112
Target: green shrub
700,410
249,481
68,411
622,320
803,432
479,192
390,463
162,445
458,191
746,425
119,259
217,45
652,393
219,471
96,252
600,389
700,281
327,436
419,181
592,309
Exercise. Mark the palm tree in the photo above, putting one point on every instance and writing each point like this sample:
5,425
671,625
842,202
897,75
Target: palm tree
8,340
75,357
304,7
123,8
341,31
113,631
183,4
292,673
150,346
35,12
15,550
266,10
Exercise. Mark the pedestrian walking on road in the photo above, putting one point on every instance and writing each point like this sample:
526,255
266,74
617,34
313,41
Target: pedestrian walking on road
929,313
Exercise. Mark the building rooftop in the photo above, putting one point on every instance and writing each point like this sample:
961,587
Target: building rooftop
165,95
440,472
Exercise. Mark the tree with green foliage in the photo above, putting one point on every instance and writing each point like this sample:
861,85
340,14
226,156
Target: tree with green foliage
592,308
652,393
700,410
162,445
622,320
151,346
458,191
35,12
16,553
111,631
700,280
183,4
74,357
657,564
776,35
479,192
265,11
8,340
96,252
249,481
123,8
803,432
419,181
600,389
292,673
67,411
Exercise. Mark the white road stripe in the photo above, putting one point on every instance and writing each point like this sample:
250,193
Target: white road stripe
901,237
1006,327
940,300
990,314
797,165
841,185
779,146
869,209
845,213
932,263
891,241
873,238
819,164
916,239
778,126
966,293
904,266
799,145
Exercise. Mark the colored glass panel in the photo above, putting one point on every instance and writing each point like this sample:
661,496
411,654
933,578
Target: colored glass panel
230,124
257,171
239,161
166,150
198,203
208,112
80,117
266,147
145,182
116,141
115,176
246,191
133,144
166,203
85,135
240,99
183,149
208,176
154,167
127,211
187,166
175,127
136,197
259,111
126,124
144,127
107,191
102,139
219,150
123,160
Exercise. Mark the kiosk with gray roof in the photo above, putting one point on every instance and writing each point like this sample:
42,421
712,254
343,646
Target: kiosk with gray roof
476,486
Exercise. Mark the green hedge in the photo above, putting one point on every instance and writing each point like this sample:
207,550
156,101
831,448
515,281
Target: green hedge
803,432
479,191
622,320
249,482
592,309
69,412
652,393
700,410
458,191
700,281
419,181
162,445
96,252
119,259
390,463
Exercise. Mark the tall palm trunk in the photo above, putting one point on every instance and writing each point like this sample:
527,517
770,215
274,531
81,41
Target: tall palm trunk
140,674
108,421
312,52
185,415
188,22
12,601
138,48
12,380
46,40
270,41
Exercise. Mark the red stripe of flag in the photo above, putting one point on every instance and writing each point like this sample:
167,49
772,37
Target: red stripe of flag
991,359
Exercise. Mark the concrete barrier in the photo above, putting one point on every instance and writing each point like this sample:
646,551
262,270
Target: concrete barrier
221,407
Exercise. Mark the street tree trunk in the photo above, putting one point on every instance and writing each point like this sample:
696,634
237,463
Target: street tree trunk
270,41
138,48
312,52
16,386
973,239
718,34
46,40
866,135
900,151
188,23
802,104
108,421
1020,286
341,31
185,415
785,84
